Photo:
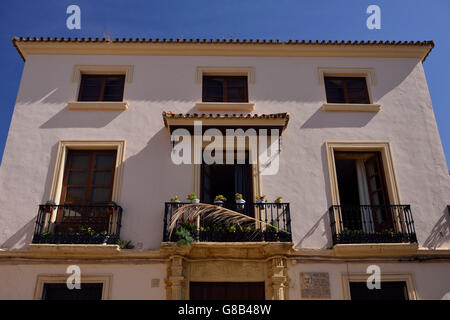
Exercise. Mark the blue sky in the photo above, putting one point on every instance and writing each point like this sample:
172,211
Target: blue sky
243,19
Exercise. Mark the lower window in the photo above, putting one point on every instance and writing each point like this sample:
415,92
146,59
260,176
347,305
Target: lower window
390,290
59,291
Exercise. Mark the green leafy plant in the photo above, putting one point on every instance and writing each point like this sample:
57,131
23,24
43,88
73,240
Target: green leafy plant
220,198
46,234
184,236
278,199
272,227
261,198
388,231
238,196
174,199
352,232
125,244
192,196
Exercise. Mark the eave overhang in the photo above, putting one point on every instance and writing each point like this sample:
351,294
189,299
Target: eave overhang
173,121
222,47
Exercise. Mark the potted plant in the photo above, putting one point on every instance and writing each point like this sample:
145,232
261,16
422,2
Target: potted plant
219,200
174,202
278,201
193,198
261,199
239,201
49,206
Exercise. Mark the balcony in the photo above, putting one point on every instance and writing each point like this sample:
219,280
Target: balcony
78,224
351,224
273,222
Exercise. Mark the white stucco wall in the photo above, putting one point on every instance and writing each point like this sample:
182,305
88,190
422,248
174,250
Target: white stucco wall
159,84
430,281
128,281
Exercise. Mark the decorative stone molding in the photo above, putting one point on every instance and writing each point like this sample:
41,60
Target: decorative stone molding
79,69
279,279
225,71
175,279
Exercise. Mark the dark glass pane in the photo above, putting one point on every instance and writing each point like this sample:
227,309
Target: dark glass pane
79,162
388,291
75,194
237,82
102,178
237,99
234,92
91,81
113,90
90,91
100,194
59,291
333,82
356,93
112,98
336,100
90,98
213,92
213,99
77,178
355,82
104,161
212,81
114,80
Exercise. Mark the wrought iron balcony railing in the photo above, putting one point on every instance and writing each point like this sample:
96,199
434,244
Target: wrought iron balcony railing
75,224
372,224
272,223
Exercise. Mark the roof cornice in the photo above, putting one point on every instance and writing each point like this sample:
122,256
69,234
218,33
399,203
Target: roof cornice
218,47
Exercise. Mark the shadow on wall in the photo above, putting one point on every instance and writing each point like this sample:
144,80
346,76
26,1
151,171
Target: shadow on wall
322,119
22,238
324,219
49,177
143,203
80,119
440,234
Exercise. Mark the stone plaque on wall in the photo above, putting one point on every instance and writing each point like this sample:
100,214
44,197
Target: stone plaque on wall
315,285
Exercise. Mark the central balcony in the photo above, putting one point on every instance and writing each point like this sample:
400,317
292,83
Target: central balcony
269,222
78,224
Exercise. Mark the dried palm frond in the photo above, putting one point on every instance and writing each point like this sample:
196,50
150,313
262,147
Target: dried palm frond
213,214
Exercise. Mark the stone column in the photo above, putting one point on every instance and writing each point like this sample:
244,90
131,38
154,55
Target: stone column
176,278
279,279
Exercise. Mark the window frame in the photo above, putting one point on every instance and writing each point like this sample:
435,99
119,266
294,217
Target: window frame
90,172
104,77
226,79
346,278
105,279
345,88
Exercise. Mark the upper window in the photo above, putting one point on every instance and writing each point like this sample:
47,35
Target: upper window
225,89
347,90
101,87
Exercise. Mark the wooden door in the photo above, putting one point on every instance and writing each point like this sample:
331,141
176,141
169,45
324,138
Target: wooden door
226,291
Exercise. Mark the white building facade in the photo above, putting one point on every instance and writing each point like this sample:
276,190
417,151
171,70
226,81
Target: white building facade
89,161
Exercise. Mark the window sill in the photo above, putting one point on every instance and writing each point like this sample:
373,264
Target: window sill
375,249
225,106
98,105
350,107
